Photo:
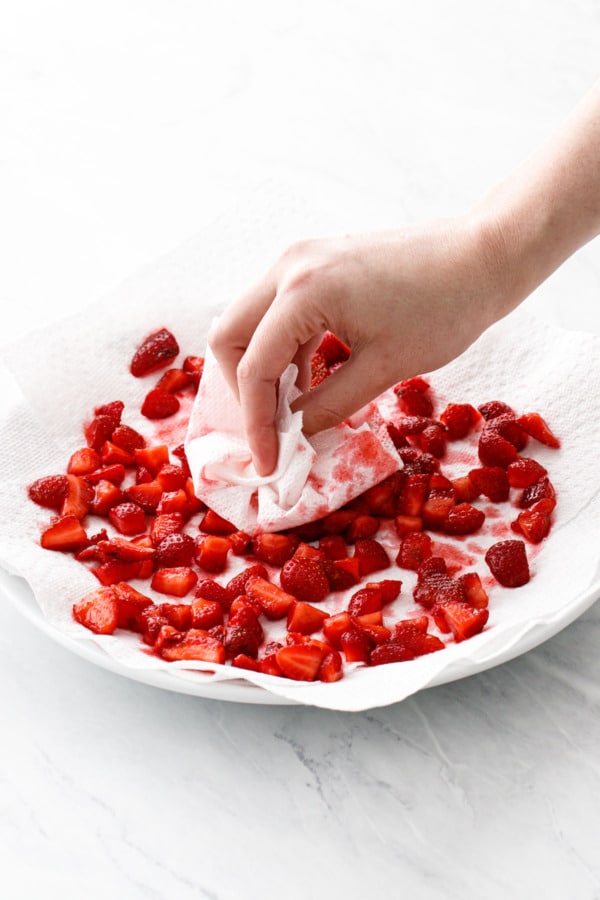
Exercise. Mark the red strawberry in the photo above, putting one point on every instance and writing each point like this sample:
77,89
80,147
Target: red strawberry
206,613
131,605
106,495
473,590
356,645
366,600
212,552
459,419
333,349
495,450
49,491
237,585
413,397
539,429
333,546
165,524
463,519
128,439
507,561
208,589
177,581
432,440
83,461
155,352
176,549
301,662
152,458
173,380
542,489
335,626
274,549
115,570
242,661
493,409
305,618
463,620
437,589
342,573
129,551
243,634
413,494
415,547
274,601
98,431
371,556
128,518
193,644
213,523
319,369
524,472
533,524
159,404
330,669
66,533
171,478
194,366
78,498
437,507
492,482
98,611
305,578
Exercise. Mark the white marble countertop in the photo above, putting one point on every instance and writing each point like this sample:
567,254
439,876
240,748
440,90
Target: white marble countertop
126,128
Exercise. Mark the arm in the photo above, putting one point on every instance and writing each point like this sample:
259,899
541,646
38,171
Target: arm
410,300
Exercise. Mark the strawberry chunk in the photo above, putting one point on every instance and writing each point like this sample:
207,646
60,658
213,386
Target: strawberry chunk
49,491
155,352
492,482
193,644
212,552
459,419
243,634
300,662
415,548
463,620
66,533
333,349
305,578
83,461
176,581
176,549
507,561
237,585
524,472
98,611
78,498
371,556
128,518
539,429
274,601
463,519
159,404
274,549
305,618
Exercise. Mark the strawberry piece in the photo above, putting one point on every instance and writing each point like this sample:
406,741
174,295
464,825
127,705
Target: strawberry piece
98,611
507,426
335,626
274,601
433,440
213,523
128,439
49,491
98,431
473,591
415,547
412,425
155,352
413,494
194,644
464,490
165,524
212,552
333,349
319,369
542,489
300,662
507,561
382,498
437,507
173,380
330,669
66,533
106,495
371,556
492,482
463,620
274,549
389,589
305,618
433,565
242,661
243,634
418,463
342,573
333,546
363,526
78,498
83,461
152,458
356,645
366,600
237,585
131,604
194,366
524,472
391,652
413,397
206,613
178,615
176,549
305,578
115,473
533,524
337,521
404,524
459,420
538,428
112,454
112,410
208,589
115,570
128,518
463,519
177,581
495,408
174,501
171,478
495,450
129,551
159,404
438,589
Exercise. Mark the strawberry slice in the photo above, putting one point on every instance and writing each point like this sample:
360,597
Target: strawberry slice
78,498
127,518
524,472
173,380
49,491
66,533
415,548
366,600
305,618
176,549
176,581
206,613
305,578
538,428
193,644
116,570
333,349
131,604
274,549
155,352
159,404
463,519
463,620
152,458
371,556
300,662
194,366
507,561
83,461
492,482
213,523
459,419
356,645
98,611
165,524
274,601
473,590
146,495
243,633
237,585
331,668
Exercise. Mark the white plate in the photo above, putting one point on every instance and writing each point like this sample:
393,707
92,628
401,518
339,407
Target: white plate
21,596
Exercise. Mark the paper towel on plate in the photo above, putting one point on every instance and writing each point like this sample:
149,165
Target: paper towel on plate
83,362
313,476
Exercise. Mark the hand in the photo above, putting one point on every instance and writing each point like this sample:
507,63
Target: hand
405,302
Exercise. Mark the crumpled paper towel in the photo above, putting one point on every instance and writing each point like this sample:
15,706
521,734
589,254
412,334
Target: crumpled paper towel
313,476
82,362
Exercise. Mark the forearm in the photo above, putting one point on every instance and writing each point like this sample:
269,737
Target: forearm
549,208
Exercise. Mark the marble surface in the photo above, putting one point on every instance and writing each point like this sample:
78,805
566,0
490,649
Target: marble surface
125,128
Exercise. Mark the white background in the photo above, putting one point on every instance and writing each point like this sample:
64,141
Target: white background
125,128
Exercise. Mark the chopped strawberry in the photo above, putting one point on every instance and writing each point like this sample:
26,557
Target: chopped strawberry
356,645
333,546
533,524
492,482
463,620
83,461
274,549
49,491
177,581
392,651
176,549
66,533
165,524
115,570
437,507
173,380
213,523
473,591
404,524
300,662
542,489
319,369
433,440
193,644
112,454
237,585
463,519
194,366
131,603
365,600
171,478
495,450
98,431
494,408
159,404
174,501
155,352
98,611
333,349
342,573
274,601
382,498
539,429
524,472
413,397
212,552
243,634
129,551
206,613
437,589
128,439
152,458
415,547
362,526
209,589
78,498
459,420
128,518
413,494
178,615
371,556
464,489
305,578
507,561
330,669
389,589
305,618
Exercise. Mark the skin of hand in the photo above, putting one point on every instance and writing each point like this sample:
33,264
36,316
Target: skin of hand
407,301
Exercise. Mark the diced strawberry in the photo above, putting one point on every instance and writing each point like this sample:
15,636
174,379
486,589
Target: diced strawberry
159,404
463,519
342,573
145,496
382,498
365,600
178,615
112,454
464,490
305,578
206,613
274,549
539,490
459,420
319,369
507,561
98,431
495,450
363,526
213,523
240,542
115,473
274,601
83,461
392,651
208,589
334,626
413,494
115,570
66,533
539,429
176,549
194,644
131,603
463,620
173,380
356,645
113,411
492,482
237,585
473,591
437,507
212,552
437,589
98,611
305,618
433,565
494,408
507,426
168,523
433,440
128,518
174,501
333,546
300,662
415,547
336,522
243,634
373,627
418,463
129,551
524,472
155,352
533,524
413,397
404,524
371,556
171,478
78,498
389,589
333,349
331,668
49,491
128,439
194,366
152,458
421,623
177,581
